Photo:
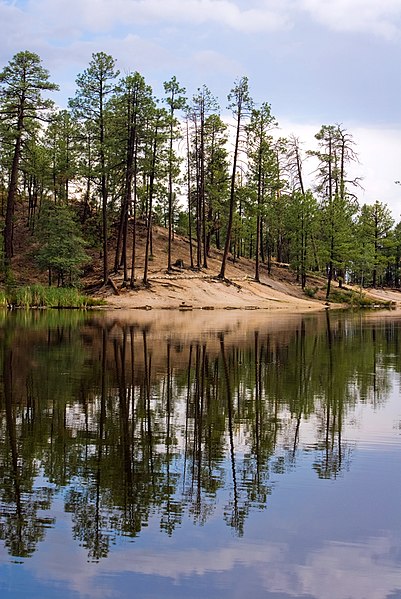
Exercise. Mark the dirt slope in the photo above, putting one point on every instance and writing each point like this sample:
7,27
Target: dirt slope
186,288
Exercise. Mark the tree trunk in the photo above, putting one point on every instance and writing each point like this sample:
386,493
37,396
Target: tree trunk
170,193
104,231
232,201
149,231
257,249
12,192
191,256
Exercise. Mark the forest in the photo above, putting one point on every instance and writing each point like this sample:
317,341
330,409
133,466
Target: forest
78,182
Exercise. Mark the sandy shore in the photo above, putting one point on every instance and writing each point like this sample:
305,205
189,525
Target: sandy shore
209,293
191,308
188,289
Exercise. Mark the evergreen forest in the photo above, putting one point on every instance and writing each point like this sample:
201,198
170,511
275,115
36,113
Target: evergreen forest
86,180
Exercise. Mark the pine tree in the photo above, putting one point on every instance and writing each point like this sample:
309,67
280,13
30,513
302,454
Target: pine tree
338,203
240,103
261,157
175,100
133,105
22,83
95,88
61,247
375,234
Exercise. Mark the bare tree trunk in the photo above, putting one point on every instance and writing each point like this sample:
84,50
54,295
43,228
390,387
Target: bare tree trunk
12,192
191,257
232,201
149,231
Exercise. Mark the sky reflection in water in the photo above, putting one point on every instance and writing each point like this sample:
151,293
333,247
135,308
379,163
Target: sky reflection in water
302,445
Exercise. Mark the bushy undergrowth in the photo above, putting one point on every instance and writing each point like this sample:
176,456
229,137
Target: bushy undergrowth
38,296
310,291
356,300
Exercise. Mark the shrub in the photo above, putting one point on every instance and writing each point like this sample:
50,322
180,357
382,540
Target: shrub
61,250
38,296
356,300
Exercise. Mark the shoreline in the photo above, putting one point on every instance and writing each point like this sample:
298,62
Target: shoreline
210,294
239,293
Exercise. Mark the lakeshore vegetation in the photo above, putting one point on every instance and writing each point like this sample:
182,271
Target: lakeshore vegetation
118,159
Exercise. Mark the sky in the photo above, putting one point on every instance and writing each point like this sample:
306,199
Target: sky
315,61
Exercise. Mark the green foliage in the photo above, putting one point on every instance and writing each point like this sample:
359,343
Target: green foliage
207,171
376,242
310,291
38,296
356,300
3,299
63,147
61,248
120,155
22,82
338,205
301,220
181,222
240,103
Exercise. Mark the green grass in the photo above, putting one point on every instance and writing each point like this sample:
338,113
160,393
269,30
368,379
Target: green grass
3,299
357,300
38,296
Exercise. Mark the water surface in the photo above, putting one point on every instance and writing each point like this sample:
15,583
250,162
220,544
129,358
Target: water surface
192,455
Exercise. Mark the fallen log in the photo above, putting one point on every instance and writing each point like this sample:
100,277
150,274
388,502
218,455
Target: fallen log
113,286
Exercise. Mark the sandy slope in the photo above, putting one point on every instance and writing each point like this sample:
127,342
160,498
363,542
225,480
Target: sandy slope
393,295
185,288
188,290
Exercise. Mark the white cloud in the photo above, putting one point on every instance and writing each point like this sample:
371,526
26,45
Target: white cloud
157,38
134,53
335,571
369,16
210,60
15,22
68,20
378,165
379,152
350,571
100,15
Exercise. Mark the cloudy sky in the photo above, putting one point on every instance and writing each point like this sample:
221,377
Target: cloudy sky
316,61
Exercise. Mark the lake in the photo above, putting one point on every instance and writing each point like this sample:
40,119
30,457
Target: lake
188,455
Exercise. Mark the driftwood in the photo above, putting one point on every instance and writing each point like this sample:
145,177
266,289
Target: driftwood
113,286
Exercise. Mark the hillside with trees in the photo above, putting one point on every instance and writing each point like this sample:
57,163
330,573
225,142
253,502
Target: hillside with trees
89,184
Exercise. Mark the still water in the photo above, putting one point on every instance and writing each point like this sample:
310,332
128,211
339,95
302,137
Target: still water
200,455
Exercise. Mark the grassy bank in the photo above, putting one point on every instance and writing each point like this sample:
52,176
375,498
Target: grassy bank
38,296
358,300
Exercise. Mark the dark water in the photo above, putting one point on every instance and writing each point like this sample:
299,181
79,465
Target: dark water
188,455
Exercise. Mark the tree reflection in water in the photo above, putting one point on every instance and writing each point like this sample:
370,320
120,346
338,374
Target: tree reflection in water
131,424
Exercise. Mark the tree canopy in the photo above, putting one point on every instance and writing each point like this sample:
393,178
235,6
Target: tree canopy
118,160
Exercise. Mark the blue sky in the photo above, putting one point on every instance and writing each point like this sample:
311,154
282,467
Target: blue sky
316,61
